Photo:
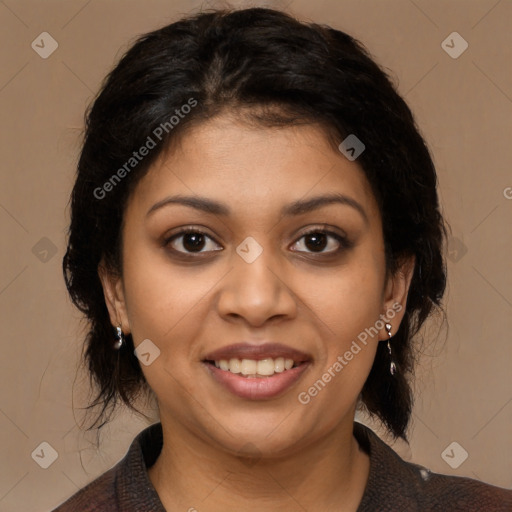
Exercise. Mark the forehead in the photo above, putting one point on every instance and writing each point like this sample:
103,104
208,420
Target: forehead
252,168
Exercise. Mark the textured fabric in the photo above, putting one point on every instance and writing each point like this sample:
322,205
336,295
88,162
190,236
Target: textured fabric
394,485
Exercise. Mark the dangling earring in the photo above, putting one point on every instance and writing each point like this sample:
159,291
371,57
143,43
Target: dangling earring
392,366
120,338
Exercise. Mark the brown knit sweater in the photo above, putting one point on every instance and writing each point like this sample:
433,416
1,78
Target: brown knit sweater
394,485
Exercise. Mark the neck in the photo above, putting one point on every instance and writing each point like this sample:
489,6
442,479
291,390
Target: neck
328,474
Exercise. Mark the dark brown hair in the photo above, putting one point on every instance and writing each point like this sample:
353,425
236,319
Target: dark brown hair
272,70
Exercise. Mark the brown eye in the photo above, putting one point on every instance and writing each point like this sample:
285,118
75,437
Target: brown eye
191,241
317,240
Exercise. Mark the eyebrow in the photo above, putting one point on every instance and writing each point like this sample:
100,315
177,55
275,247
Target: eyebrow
298,207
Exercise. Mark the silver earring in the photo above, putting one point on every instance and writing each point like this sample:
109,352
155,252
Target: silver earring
392,366
120,338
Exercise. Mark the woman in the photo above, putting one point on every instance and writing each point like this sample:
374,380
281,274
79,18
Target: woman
256,239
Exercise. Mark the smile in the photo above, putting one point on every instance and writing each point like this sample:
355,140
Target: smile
253,385
256,371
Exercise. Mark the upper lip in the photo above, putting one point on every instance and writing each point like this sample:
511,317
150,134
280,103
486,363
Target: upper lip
257,352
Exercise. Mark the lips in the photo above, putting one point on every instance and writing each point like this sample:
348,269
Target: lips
245,384
257,352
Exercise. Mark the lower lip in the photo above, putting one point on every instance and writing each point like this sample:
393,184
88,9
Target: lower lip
257,388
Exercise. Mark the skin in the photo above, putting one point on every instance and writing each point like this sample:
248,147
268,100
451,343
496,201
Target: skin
305,457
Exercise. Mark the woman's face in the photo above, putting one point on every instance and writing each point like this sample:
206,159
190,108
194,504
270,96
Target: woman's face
249,277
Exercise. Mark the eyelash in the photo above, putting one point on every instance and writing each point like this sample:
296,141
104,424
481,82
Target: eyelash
343,241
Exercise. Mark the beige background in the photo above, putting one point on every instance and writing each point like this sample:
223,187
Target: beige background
464,108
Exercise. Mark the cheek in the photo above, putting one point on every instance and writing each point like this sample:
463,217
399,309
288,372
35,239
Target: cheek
162,300
350,302
168,305
350,309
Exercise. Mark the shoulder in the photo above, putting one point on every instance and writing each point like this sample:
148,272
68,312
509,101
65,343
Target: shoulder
444,492
98,495
126,486
394,484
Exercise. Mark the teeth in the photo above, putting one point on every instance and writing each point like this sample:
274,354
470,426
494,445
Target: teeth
248,366
234,366
265,367
253,368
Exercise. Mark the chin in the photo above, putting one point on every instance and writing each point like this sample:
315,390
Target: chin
252,435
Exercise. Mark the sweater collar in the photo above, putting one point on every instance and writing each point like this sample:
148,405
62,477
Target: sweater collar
387,479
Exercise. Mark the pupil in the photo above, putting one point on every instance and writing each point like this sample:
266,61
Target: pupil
319,240
196,240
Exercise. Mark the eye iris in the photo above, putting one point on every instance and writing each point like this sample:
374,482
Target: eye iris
193,241
319,241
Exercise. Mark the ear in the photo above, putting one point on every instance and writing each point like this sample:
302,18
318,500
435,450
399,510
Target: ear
113,292
395,296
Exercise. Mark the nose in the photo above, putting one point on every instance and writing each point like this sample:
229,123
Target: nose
256,292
